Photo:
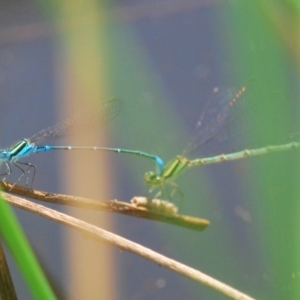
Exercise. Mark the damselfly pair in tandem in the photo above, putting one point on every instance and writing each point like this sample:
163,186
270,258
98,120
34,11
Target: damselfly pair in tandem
215,117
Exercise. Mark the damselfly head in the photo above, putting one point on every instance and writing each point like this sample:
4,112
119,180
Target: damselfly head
152,179
3,155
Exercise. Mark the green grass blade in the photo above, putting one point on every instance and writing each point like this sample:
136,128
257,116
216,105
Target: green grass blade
13,236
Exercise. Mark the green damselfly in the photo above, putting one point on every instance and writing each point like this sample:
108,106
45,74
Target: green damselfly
220,107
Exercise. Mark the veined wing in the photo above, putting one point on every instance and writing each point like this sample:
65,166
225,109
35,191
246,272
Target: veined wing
215,116
81,122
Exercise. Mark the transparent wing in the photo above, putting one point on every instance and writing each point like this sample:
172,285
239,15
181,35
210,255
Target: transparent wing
234,120
79,123
215,118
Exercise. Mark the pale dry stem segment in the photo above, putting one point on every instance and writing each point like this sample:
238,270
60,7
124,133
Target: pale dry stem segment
115,206
124,244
